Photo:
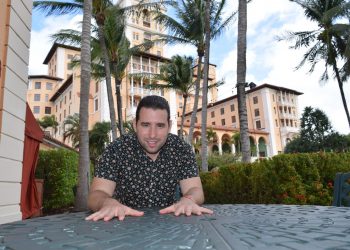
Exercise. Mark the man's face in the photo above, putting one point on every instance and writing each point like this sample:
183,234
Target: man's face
152,130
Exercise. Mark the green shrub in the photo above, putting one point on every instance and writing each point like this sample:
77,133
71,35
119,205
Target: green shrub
59,171
216,160
287,179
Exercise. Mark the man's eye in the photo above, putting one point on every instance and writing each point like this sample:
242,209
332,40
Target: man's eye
161,125
145,125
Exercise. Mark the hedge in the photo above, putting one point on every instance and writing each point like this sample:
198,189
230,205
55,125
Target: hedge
58,168
283,179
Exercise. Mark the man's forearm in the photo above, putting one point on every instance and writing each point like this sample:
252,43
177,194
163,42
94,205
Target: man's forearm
96,199
195,194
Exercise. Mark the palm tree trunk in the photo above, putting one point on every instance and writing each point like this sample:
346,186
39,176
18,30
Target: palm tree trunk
241,81
340,84
183,117
84,158
119,105
204,154
106,63
196,96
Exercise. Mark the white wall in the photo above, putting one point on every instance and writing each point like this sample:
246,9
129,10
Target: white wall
14,108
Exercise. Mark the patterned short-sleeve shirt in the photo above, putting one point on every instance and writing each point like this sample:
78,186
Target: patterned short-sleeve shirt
140,181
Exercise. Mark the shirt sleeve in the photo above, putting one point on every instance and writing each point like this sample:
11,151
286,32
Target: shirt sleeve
189,167
106,166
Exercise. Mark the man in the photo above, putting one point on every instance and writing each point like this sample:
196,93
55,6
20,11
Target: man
145,168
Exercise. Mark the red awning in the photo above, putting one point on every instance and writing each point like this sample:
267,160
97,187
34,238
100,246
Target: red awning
33,136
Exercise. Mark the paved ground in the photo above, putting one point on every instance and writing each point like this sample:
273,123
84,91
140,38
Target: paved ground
231,227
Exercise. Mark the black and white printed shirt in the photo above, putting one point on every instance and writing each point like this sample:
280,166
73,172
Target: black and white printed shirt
140,181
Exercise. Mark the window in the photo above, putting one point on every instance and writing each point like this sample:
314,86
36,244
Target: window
96,104
96,87
222,111
69,110
46,97
70,95
60,104
196,120
69,66
37,85
60,117
64,113
255,99
273,97
65,99
232,107
37,97
146,20
223,122
256,112
213,123
147,37
135,36
258,124
47,110
36,110
212,114
48,86
274,109
276,122
70,56
233,119
56,107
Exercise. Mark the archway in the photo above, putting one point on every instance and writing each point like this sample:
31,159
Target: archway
253,149
262,147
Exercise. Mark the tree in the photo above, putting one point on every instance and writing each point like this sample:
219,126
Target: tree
177,75
241,79
71,129
330,42
84,158
207,27
188,28
100,9
49,121
99,137
317,134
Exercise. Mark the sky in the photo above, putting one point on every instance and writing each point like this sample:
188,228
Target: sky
268,60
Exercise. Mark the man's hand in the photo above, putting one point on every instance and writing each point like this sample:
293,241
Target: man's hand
112,208
185,206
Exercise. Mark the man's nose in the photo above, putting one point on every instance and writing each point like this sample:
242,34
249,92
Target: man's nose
152,131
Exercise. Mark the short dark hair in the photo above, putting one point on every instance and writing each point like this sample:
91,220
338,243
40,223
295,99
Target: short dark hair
154,102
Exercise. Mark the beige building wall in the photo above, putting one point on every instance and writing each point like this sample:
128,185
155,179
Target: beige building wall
272,113
15,25
40,90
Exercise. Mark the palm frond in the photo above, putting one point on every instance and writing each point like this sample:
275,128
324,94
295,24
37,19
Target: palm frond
59,8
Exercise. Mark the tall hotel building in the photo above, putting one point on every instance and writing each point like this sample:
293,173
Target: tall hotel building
272,110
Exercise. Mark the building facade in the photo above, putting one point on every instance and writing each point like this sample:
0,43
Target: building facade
273,119
15,25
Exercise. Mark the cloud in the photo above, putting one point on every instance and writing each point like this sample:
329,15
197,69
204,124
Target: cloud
41,43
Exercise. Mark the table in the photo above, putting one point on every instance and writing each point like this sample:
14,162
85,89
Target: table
231,227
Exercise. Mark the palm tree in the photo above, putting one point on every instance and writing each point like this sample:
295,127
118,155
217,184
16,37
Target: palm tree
188,28
100,10
71,129
177,75
49,121
330,42
204,154
98,139
241,79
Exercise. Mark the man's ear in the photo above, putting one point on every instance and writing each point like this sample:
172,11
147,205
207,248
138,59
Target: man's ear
134,124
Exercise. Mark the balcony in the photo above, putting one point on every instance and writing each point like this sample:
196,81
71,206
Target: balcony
145,91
